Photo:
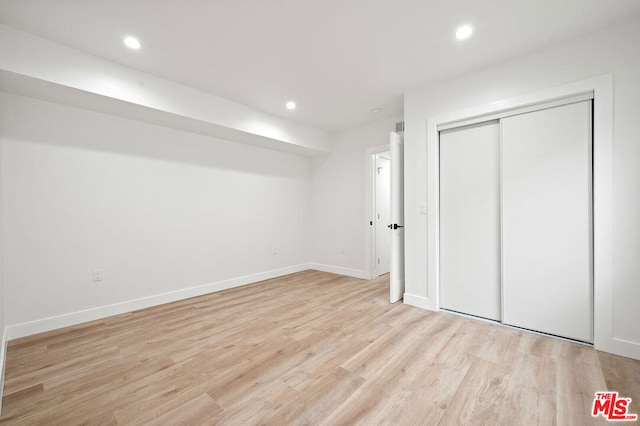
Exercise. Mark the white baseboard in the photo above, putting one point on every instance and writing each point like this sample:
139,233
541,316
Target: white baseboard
356,273
611,345
618,346
3,358
51,323
418,301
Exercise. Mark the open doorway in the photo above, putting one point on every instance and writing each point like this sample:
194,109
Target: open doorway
382,213
385,214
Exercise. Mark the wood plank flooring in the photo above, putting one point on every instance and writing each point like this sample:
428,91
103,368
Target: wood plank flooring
308,348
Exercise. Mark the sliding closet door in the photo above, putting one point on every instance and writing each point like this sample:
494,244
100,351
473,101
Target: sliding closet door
470,220
547,225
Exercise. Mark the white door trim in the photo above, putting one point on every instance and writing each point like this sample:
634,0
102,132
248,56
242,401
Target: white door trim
602,87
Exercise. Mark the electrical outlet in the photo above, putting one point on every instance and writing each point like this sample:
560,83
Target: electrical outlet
97,275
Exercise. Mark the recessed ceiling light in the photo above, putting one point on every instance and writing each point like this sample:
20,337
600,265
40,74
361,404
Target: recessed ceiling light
376,110
291,105
132,43
464,32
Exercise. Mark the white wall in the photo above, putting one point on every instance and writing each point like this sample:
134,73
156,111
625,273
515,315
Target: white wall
2,302
158,210
610,51
338,211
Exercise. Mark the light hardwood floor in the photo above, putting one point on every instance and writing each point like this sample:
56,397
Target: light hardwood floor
309,348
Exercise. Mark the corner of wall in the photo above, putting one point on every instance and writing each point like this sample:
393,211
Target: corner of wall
355,273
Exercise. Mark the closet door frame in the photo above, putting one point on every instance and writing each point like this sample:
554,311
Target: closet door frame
602,89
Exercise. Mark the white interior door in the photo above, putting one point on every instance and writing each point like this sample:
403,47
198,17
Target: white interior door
547,225
470,220
397,217
383,214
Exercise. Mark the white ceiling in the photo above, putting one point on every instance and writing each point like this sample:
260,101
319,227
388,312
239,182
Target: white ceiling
337,59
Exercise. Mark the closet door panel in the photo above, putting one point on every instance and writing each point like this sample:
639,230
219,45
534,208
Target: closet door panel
547,224
470,220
